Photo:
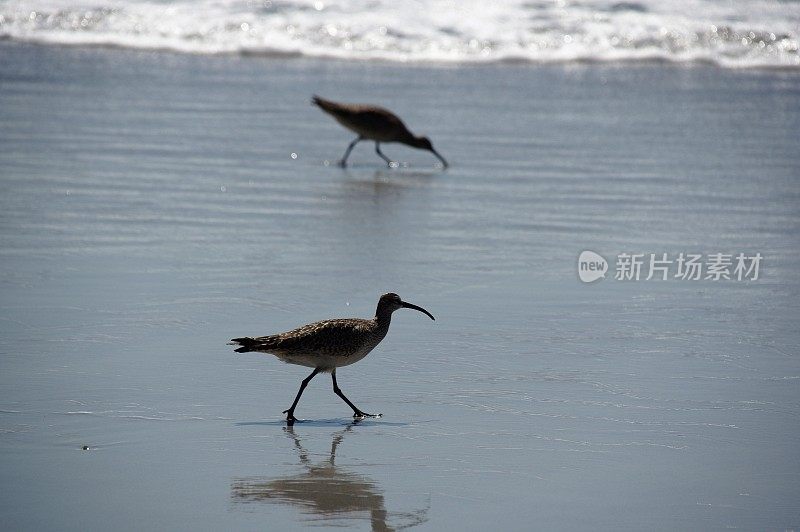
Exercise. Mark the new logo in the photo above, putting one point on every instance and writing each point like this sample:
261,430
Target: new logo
591,266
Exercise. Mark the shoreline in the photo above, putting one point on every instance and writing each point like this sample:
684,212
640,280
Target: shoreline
618,63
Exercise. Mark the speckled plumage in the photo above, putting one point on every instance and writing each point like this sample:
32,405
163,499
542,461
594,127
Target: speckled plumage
324,344
329,344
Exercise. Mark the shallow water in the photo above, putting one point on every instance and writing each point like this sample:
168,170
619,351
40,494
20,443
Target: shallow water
151,209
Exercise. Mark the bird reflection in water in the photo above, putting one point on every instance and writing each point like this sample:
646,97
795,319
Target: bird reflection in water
326,492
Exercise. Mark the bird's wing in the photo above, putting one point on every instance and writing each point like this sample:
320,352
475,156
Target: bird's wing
323,337
370,121
375,123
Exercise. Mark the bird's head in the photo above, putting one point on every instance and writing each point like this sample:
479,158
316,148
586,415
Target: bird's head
424,143
390,302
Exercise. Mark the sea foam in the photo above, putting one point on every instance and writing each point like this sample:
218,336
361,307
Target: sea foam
757,33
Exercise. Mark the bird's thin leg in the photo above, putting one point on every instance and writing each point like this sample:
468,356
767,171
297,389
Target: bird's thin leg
343,162
290,419
338,391
379,152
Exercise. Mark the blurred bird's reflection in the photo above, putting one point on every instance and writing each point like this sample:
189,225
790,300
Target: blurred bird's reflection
324,491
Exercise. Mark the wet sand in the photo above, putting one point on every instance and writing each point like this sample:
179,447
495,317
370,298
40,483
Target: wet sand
151,209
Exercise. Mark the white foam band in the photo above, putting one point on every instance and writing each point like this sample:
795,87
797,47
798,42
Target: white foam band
757,33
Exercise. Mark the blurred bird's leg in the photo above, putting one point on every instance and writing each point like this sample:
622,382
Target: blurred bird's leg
343,162
379,152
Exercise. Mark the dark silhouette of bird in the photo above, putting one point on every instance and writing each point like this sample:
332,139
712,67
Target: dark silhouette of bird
371,122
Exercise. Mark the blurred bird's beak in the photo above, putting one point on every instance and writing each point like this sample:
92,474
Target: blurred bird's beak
409,305
436,153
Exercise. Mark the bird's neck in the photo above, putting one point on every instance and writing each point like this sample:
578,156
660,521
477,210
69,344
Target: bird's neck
384,318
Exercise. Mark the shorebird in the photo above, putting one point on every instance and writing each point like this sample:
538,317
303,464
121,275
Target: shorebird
329,344
371,122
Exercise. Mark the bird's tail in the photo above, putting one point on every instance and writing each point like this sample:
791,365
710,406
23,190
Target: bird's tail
325,105
246,344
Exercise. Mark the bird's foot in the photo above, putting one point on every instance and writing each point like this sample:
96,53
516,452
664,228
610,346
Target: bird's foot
290,419
342,164
362,415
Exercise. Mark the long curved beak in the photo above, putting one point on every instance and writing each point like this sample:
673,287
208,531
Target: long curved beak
409,305
436,153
